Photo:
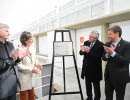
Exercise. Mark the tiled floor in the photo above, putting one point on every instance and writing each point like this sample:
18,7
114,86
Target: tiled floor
71,85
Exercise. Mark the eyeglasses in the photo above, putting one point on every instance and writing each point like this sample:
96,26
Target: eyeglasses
30,40
91,37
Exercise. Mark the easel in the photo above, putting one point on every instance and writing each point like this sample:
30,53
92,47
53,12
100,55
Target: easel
51,80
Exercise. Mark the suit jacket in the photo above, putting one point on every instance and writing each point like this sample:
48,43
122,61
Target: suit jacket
8,82
92,63
117,67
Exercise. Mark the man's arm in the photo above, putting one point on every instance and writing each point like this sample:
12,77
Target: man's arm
123,58
5,64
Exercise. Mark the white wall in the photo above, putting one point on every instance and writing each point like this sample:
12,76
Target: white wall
46,42
69,61
16,43
84,33
119,5
125,25
50,39
43,45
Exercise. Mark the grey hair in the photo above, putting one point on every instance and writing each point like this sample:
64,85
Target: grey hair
96,34
2,25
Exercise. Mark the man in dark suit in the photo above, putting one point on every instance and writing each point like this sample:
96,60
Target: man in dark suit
8,59
92,64
117,55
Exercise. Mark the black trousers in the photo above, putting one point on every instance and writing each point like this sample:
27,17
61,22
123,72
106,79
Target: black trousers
119,90
12,97
96,86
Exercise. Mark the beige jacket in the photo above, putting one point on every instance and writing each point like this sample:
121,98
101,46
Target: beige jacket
25,75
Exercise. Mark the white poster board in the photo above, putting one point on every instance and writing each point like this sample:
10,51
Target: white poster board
62,48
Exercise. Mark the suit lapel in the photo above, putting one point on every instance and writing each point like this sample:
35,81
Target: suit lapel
119,45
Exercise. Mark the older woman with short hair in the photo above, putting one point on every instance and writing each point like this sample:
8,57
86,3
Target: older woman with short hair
27,67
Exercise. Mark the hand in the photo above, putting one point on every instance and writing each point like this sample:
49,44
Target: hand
82,48
35,70
15,54
39,67
86,48
23,53
109,50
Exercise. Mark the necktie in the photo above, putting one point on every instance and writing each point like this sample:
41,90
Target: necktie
113,45
91,45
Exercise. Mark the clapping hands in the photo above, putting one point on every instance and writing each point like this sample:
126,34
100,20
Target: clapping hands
84,48
19,53
109,50
23,53
15,54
